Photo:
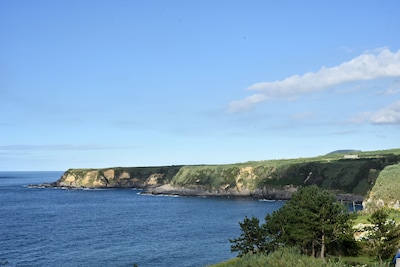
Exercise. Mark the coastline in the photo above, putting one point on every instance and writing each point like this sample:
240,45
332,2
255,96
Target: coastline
167,189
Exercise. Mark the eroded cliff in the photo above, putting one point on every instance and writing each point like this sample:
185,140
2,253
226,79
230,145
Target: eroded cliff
119,177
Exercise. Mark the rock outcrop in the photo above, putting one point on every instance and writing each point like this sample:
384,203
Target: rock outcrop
139,177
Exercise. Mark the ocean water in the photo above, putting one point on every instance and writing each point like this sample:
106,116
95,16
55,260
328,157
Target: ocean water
115,227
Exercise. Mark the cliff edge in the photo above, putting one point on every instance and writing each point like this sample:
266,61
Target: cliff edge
349,176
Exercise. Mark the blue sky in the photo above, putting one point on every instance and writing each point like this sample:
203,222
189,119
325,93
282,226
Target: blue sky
88,84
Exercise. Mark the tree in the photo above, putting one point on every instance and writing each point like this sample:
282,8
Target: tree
252,239
333,220
311,220
285,227
385,235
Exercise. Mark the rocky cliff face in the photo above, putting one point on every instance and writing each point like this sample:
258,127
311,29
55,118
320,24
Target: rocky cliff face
140,177
166,180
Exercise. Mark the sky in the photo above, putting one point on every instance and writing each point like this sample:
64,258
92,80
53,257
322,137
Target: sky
96,84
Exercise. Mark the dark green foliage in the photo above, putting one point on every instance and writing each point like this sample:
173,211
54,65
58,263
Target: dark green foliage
252,239
311,220
347,175
385,235
345,245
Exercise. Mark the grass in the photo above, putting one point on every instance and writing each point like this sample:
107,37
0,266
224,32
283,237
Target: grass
292,257
363,261
362,217
227,263
387,186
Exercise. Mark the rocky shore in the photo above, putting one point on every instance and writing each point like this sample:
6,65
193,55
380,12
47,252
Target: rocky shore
271,194
167,189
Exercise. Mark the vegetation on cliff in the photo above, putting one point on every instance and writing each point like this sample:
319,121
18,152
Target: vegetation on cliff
274,179
386,190
354,175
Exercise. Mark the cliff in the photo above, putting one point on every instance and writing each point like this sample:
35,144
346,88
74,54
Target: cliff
119,177
344,174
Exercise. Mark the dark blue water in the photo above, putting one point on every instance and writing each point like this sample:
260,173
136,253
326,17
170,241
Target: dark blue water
54,227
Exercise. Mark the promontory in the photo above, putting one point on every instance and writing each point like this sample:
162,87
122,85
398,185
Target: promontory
351,175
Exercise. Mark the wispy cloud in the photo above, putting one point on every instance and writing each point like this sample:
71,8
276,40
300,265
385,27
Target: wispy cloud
368,66
304,115
386,115
54,147
394,88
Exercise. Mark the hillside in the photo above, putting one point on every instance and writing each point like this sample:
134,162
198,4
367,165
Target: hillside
353,174
344,151
386,190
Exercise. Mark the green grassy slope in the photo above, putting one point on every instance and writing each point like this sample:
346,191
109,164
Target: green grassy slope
386,190
333,172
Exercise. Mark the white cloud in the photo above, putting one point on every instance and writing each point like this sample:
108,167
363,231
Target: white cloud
247,103
368,66
387,115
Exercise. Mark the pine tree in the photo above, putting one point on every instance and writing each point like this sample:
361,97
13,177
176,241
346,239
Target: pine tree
311,220
252,239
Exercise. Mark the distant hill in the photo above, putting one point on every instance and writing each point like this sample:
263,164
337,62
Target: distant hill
344,151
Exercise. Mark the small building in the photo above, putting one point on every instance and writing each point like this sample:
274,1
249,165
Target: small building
351,156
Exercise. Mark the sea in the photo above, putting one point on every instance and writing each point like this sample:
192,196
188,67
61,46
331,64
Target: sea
115,227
